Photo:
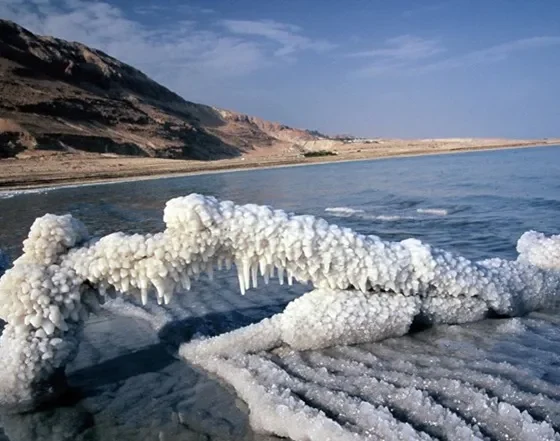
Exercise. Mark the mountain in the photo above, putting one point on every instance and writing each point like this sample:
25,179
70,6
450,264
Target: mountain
60,96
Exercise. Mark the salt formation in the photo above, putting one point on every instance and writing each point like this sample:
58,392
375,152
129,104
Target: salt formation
366,289
539,250
44,304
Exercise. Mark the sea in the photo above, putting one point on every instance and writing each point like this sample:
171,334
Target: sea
498,379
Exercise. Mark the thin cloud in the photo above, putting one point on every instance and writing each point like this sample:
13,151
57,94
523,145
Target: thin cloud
412,55
492,54
182,46
169,9
404,48
287,36
398,53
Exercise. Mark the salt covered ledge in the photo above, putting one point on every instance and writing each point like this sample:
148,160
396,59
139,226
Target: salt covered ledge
365,289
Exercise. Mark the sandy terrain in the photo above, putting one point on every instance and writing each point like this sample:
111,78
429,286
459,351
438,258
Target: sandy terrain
37,168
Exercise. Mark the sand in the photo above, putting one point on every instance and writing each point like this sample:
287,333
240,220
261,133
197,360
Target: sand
43,168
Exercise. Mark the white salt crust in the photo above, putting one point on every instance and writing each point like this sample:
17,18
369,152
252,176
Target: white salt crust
366,289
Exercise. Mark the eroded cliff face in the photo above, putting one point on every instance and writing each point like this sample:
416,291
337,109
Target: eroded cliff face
64,96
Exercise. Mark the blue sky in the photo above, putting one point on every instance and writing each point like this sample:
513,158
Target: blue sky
399,68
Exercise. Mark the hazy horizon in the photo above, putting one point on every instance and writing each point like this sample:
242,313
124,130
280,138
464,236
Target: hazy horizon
402,69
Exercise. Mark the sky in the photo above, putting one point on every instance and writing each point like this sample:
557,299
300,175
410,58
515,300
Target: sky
372,68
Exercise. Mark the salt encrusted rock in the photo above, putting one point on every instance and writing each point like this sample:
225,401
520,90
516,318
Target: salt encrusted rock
43,305
366,289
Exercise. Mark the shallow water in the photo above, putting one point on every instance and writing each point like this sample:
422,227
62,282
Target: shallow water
477,204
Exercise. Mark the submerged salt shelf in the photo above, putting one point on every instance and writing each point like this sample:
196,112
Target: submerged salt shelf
495,362
429,387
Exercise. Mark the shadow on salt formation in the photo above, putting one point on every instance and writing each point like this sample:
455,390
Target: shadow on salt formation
195,407
177,332
143,394
90,379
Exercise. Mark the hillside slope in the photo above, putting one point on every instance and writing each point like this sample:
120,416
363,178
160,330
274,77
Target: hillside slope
59,96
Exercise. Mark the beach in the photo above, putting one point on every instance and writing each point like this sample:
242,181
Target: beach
45,168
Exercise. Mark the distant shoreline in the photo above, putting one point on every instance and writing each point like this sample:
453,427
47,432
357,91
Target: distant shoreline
75,170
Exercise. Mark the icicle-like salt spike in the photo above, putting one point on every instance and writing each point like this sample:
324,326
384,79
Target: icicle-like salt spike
262,266
186,282
254,275
363,285
241,280
144,296
167,296
280,275
267,274
245,266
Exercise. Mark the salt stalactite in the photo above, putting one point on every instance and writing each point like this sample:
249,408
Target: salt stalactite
366,288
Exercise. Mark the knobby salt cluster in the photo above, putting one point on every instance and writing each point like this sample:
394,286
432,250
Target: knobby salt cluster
537,249
366,289
44,304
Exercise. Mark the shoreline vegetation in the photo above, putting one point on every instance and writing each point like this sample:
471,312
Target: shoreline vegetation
45,169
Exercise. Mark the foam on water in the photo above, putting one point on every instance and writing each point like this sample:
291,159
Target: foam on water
343,211
433,211
361,214
387,217
7,194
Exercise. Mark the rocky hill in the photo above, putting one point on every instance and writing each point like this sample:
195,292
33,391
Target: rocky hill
59,96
